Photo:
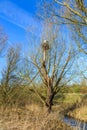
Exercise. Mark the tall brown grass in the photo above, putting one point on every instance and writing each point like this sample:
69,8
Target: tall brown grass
32,117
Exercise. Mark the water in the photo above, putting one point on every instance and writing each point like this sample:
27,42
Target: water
75,123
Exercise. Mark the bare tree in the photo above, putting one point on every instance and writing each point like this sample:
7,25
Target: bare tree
52,67
72,13
9,74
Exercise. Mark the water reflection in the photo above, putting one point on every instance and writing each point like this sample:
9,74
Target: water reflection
75,123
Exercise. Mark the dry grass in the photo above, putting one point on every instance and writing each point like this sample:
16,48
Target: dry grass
32,118
79,113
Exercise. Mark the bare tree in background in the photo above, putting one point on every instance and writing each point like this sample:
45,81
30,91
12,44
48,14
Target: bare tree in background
72,13
9,74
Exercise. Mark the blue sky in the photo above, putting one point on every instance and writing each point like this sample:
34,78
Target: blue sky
17,17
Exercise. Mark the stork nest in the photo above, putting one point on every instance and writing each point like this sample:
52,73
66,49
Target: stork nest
45,45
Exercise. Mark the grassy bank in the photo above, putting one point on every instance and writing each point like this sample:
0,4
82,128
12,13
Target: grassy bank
80,111
74,102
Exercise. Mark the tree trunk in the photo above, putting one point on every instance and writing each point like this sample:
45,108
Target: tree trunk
49,99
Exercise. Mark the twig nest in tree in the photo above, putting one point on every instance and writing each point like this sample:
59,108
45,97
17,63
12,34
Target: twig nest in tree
45,45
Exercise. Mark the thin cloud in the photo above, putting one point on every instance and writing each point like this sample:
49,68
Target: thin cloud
11,21
14,14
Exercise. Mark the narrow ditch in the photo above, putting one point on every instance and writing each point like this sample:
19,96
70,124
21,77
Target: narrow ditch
80,125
